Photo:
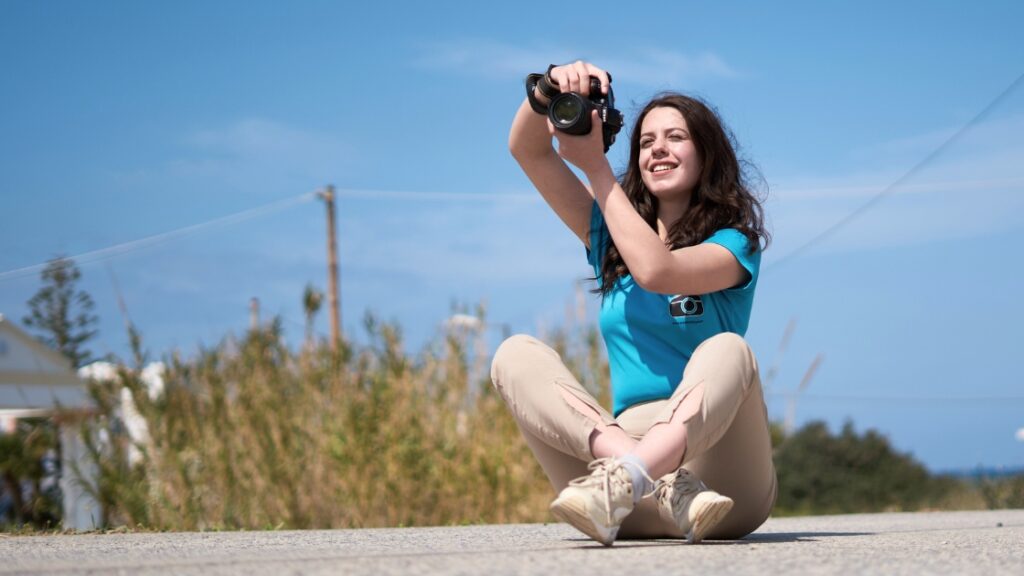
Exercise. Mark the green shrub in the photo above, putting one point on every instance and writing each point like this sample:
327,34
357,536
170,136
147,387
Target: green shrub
25,454
821,473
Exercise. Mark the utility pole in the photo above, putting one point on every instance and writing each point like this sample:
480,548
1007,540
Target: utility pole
333,289
254,313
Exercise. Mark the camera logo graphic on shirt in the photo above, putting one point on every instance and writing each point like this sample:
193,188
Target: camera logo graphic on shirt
686,307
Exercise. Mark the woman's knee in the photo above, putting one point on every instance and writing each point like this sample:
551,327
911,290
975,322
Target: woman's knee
725,355
514,355
729,340
509,352
729,346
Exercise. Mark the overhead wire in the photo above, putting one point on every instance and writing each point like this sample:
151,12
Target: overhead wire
126,247
156,239
361,193
901,182
893,397
888,190
435,196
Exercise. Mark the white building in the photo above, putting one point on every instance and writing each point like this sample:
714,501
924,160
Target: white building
127,412
36,381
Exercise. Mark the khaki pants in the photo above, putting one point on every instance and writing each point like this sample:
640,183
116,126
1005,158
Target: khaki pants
728,442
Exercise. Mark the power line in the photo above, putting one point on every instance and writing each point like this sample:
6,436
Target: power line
907,176
148,241
362,193
896,397
923,187
118,249
133,245
434,196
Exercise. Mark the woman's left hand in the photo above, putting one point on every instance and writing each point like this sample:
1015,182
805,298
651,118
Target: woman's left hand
586,152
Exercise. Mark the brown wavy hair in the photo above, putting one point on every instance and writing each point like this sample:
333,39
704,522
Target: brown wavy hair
723,198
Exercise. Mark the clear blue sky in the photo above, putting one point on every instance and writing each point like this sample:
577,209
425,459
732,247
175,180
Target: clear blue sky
121,120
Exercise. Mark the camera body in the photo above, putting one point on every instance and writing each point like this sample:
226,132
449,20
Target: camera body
682,306
570,112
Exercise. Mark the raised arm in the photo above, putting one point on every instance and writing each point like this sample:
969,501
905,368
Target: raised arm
530,143
697,269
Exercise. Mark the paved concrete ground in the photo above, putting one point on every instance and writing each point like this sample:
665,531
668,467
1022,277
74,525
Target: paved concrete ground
924,543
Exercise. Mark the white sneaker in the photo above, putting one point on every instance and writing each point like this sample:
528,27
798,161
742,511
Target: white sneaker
598,503
692,506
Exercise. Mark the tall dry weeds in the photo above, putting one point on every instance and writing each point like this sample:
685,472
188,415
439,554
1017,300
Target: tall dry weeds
251,435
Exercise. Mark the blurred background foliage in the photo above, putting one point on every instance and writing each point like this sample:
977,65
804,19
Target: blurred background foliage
251,434
29,494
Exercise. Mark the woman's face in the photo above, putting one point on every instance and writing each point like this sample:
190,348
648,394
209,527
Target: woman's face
669,163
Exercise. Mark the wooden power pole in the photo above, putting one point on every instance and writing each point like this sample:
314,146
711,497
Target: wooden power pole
254,314
333,289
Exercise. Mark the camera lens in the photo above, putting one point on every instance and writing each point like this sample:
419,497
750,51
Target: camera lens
570,113
565,111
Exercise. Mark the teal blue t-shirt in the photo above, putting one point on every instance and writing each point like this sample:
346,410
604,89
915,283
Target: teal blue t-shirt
650,337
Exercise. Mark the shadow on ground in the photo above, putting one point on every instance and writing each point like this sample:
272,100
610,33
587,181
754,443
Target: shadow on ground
770,538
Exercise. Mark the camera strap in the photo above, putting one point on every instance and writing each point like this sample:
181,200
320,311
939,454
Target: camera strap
532,81
613,118
547,87
611,122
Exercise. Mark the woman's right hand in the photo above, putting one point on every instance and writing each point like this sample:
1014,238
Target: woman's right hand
575,77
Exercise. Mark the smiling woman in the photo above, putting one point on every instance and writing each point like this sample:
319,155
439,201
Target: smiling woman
676,249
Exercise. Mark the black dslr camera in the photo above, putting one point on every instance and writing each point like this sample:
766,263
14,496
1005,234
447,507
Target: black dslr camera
570,111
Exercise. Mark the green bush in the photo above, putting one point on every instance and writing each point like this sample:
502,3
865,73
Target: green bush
24,455
824,473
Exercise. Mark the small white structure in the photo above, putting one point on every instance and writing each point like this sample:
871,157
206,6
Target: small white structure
128,413
36,381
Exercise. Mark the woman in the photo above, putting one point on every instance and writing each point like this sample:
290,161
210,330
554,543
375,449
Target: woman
675,247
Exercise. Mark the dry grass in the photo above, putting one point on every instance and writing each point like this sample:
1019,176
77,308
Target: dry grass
251,435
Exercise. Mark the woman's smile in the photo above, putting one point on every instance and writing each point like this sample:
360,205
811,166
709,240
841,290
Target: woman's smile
668,157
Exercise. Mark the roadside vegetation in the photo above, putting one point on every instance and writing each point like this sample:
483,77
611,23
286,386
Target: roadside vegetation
259,433
252,435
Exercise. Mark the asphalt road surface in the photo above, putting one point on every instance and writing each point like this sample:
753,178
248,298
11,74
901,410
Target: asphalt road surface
988,543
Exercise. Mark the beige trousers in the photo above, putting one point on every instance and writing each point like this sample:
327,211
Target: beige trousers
728,442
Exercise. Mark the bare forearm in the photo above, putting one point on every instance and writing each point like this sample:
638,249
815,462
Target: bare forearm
529,134
531,146
640,246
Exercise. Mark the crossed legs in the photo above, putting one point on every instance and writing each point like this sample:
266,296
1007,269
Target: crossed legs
715,425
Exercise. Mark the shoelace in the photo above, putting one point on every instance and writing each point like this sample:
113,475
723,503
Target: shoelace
601,471
683,485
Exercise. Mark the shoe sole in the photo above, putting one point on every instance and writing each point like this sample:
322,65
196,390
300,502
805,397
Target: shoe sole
580,520
707,517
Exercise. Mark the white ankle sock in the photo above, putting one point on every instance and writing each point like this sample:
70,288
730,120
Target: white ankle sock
642,483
